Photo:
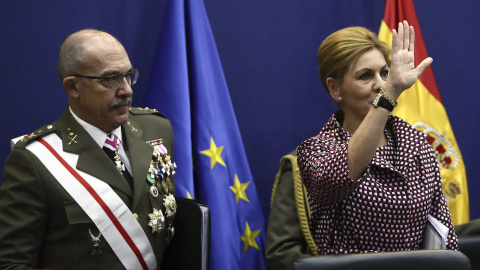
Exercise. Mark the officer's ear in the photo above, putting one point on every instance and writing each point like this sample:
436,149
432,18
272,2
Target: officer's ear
70,84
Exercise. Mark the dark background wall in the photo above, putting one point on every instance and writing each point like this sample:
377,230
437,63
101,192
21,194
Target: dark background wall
268,51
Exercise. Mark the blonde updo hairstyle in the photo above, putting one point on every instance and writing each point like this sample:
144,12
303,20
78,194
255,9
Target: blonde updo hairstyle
340,50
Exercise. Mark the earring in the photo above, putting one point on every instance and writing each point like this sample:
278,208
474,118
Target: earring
339,98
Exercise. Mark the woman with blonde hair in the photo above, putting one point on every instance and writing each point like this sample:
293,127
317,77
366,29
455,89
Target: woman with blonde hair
372,179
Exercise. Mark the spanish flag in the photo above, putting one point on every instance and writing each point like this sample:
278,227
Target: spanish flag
422,107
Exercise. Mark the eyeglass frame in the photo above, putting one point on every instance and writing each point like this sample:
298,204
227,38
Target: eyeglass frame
130,72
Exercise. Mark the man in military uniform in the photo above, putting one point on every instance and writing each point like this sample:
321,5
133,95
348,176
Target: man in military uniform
288,235
64,203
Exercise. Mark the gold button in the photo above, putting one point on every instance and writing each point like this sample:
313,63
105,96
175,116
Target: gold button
49,127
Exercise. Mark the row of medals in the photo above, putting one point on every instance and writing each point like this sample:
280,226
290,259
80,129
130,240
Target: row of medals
161,167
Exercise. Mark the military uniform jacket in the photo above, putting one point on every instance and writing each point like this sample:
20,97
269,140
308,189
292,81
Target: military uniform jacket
288,236
42,226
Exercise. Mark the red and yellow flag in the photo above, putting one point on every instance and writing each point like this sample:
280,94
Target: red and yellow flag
422,107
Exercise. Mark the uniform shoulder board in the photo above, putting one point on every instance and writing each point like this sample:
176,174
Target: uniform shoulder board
146,110
22,141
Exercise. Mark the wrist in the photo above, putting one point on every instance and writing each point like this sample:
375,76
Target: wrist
382,102
389,97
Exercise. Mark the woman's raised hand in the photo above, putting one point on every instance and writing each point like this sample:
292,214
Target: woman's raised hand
403,72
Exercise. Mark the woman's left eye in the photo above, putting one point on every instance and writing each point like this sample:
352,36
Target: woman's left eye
384,74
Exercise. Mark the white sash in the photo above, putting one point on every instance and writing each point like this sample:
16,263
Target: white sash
111,216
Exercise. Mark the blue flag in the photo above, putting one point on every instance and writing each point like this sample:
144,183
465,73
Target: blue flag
188,85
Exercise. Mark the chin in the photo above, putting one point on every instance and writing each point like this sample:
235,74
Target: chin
123,119
119,117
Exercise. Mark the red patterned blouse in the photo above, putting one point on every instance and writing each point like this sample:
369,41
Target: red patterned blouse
387,208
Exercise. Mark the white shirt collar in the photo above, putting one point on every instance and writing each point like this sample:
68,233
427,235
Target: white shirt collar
97,134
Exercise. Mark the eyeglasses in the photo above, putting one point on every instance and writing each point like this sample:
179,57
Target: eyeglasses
113,82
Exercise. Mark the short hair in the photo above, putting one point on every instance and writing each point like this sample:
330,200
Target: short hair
340,50
72,58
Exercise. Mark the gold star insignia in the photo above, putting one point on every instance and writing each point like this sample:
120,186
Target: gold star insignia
239,189
214,153
248,238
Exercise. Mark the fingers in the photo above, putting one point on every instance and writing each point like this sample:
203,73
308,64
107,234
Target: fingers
400,36
406,35
394,41
412,39
423,65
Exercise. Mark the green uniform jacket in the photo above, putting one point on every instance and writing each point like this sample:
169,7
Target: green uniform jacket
470,228
42,226
288,235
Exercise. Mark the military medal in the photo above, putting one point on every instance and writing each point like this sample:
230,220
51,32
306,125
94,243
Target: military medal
164,186
158,144
164,160
170,185
157,220
170,206
96,243
160,168
151,177
170,209
167,166
118,162
154,191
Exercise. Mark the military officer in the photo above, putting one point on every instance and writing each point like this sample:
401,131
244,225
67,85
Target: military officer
92,190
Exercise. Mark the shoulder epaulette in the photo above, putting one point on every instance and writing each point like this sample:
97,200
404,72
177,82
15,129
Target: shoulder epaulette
146,110
301,199
37,133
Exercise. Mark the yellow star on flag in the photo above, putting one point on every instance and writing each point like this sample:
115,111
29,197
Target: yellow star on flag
188,195
239,189
248,238
214,153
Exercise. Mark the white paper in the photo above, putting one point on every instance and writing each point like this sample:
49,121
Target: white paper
436,234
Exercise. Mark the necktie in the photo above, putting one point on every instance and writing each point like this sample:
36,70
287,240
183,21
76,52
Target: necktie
111,148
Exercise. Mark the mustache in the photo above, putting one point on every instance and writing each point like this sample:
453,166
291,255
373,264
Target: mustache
124,101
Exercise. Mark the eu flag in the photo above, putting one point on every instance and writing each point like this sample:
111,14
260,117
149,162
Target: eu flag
188,85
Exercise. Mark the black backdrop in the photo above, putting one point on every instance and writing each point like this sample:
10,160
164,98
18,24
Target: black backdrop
268,51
